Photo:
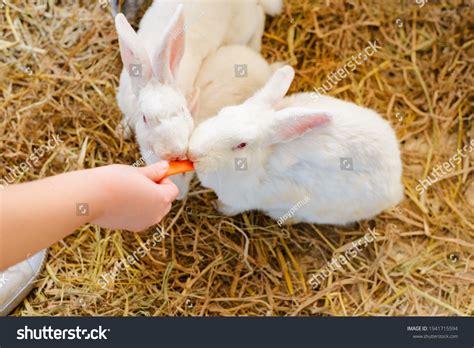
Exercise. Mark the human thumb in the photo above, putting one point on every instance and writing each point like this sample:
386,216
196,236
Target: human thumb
155,171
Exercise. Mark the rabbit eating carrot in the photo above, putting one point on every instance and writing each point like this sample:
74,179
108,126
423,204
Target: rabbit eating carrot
343,158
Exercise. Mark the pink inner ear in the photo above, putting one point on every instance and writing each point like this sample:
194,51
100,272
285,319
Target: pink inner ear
176,44
302,124
168,56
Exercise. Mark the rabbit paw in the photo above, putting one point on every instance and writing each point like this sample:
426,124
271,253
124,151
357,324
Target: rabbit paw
224,208
290,221
282,218
182,181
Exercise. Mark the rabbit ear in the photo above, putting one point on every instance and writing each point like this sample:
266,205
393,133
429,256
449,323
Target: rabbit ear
134,56
276,87
169,54
292,123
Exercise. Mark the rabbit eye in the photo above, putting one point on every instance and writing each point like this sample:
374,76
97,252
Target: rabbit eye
241,145
144,119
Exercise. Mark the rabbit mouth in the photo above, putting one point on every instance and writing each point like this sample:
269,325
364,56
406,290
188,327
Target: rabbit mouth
170,155
173,157
203,163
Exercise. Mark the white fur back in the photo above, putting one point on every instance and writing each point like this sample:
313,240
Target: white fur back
220,83
208,25
356,133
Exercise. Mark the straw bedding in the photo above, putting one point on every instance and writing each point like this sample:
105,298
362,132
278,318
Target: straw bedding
58,75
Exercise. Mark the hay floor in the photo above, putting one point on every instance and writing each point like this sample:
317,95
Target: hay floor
58,75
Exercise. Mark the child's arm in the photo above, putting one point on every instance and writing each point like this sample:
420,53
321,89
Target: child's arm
37,214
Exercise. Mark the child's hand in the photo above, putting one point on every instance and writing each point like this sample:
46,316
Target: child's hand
134,200
39,213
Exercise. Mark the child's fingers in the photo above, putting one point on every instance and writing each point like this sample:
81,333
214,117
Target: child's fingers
168,188
165,186
155,171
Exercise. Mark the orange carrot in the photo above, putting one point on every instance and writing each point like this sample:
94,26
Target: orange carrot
178,167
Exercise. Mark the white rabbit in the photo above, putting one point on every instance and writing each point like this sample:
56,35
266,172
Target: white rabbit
220,84
272,153
160,65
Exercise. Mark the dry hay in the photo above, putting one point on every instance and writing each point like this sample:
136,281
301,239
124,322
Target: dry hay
421,81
